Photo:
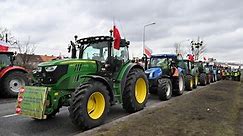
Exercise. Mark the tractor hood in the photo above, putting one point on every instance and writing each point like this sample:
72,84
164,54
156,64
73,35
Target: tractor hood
65,73
153,73
65,62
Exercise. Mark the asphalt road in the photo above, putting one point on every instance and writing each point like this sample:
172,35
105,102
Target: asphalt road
12,124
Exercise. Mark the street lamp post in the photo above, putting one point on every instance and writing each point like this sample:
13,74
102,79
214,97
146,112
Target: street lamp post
144,33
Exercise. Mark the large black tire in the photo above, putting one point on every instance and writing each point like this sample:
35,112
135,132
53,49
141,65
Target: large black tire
218,77
212,78
164,89
238,78
135,93
189,83
179,85
12,82
195,81
208,77
203,79
89,105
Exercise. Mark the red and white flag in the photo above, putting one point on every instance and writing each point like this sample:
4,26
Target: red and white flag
117,38
147,51
3,46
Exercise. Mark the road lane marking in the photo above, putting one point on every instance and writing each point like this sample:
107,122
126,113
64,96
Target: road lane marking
11,115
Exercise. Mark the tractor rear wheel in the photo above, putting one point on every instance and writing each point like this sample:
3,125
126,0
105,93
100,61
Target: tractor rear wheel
195,82
208,78
164,89
238,78
203,79
12,82
189,83
179,85
218,77
89,105
135,93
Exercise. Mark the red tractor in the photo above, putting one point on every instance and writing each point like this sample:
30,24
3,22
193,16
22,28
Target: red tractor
11,77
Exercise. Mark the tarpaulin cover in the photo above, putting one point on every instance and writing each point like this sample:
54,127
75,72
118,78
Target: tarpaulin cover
31,102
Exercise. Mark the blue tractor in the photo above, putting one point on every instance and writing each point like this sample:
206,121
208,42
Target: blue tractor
164,75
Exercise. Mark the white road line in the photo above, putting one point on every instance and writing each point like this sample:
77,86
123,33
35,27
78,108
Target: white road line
11,115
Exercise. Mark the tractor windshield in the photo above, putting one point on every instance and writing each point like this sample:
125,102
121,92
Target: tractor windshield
96,51
5,60
159,62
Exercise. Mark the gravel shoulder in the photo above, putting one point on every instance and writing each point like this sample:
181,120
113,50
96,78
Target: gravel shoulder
212,110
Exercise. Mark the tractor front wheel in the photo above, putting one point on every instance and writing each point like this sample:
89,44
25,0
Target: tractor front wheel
189,83
164,89
12,83
135,94
179,85
203,79
89,105
195,82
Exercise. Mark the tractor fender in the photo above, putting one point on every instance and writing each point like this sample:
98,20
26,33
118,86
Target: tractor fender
122,77
8,69
105,81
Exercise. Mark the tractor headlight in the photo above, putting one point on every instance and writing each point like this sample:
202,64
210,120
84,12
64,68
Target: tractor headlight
50,68
38,69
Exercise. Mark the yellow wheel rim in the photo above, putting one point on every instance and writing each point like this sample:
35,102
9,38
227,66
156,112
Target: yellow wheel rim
96,105
140,90
191,83
196,80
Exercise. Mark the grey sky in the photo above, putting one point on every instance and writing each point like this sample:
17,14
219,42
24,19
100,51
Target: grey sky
51,24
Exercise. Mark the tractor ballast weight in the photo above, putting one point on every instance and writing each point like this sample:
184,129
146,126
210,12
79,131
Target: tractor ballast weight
101,76
12,78
160,76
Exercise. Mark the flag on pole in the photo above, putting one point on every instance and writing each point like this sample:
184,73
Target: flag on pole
3,46
147,51
117,38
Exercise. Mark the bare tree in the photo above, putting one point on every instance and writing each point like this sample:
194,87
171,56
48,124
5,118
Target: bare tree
25,49
26,52
6,35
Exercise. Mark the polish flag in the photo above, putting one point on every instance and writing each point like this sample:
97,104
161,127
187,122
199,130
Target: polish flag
117,38
3,46
147,51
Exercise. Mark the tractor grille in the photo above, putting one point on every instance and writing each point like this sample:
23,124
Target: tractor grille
52,77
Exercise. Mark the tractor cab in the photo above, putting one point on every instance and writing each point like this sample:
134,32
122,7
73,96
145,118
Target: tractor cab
101,49
187,65
160,64
6,59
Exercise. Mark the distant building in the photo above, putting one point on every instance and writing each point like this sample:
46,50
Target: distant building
31,61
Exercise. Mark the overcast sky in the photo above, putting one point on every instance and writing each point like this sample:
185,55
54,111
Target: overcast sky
51,24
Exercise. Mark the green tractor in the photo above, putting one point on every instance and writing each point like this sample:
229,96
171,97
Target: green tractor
191,73
204,73
100,77
235,75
